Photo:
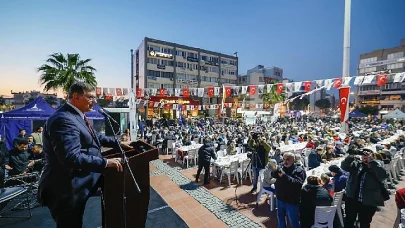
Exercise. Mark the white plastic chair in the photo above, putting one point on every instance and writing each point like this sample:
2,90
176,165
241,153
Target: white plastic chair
169,146
238,150
222,147
337,201
262,191
324,217
191,155
220,154
244,170
233,169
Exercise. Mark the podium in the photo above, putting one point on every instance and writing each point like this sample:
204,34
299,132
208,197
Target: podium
137,203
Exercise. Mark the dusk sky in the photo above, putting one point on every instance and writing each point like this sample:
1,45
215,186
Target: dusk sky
305,38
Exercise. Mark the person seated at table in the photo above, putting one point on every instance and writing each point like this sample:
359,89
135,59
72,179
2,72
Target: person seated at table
231,149
18,158
312,195
36,158
268,179
170,136
310,144
220,143
277,156
339,149
315,158
300,161
205,153
327,184
186,141
329,154
339,178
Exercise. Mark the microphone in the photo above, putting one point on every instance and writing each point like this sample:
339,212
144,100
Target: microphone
106,115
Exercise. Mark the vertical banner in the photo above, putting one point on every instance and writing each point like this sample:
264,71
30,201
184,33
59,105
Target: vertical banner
275,112
344,93
133,122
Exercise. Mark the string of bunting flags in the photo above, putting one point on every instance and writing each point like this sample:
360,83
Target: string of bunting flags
143,94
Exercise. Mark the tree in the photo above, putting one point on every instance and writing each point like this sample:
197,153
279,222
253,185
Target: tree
2,100
51,100
298,103
369,110
60,72
272,97
323,103
103,102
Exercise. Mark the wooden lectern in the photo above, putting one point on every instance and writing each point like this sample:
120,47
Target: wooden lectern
137,203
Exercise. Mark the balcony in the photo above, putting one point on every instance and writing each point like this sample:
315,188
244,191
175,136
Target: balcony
369,92
158,67
395,92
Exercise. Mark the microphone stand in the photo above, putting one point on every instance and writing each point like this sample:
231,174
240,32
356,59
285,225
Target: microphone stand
125,167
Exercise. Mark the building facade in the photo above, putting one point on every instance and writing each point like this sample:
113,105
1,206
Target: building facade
160,64
21,99
391,95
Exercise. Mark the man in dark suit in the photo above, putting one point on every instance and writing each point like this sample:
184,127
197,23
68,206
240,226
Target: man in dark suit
73,161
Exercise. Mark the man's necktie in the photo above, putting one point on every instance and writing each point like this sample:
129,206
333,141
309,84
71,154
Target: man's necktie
89,126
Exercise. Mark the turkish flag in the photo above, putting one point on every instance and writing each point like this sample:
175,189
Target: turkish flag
183,107
226,105
344,93
239,105
265,106
151,103
186,92
252,105
167,106
337,83
307,86
139,92
195,107
228,91
382,79
210,91
280,88
162,92
252,90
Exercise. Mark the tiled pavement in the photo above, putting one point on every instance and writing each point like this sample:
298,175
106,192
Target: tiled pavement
261,215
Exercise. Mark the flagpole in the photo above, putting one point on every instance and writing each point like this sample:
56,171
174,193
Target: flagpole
346,58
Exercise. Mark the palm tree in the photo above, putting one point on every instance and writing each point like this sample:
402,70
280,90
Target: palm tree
61,71
272,97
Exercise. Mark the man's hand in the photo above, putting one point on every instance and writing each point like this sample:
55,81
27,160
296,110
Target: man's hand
115,163
8,167
125,145
31,163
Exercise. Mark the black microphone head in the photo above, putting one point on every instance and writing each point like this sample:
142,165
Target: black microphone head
101,111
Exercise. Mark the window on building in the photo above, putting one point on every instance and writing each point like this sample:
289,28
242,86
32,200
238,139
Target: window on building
181,76
368,69
167,62
368,60
204,57
395,55
153,61
214,69
167,75
153,73
181,64
395,66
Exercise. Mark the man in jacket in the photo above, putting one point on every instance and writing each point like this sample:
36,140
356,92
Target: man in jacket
363,189
290,179
314,158
339,178
205,153
73,160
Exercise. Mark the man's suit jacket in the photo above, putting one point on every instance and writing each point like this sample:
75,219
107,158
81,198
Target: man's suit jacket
73,161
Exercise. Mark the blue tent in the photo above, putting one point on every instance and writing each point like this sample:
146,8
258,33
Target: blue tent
356,113
94,114
11,122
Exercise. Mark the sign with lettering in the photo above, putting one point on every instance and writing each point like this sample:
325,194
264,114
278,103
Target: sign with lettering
160,55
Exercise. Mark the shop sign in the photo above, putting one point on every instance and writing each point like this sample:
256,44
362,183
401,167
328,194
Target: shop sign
160,55
370,102
164,101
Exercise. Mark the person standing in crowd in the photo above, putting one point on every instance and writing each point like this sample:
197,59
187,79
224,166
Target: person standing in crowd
362,189
21,135
268,179
290,179
259,158
38,135
205,153
31,142
36,158
73,160
312,195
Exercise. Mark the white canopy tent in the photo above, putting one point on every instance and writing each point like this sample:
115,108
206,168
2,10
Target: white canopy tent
397,114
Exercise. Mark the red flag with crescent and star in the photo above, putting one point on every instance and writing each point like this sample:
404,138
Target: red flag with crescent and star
162,92
307,86
337,83
382,79
280,88
252,90
210,91
228,91
344,93
186,92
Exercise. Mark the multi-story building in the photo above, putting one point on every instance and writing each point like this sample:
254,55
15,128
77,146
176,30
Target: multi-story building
161,64
391,95
22,98
260,75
